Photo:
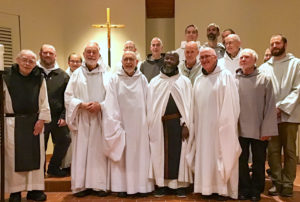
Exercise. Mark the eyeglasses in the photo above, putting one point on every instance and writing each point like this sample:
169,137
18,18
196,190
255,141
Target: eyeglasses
205,57
29,61
75,61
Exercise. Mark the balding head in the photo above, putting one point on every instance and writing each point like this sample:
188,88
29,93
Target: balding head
129,62
156,48
232,44
191,52
208,59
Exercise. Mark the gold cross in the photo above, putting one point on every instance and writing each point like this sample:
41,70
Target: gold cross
108,25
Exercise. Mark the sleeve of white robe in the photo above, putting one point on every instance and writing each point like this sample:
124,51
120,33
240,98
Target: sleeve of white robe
44,109
72,104
229,111
114,134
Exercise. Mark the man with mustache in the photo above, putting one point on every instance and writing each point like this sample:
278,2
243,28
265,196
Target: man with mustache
212,33
283,68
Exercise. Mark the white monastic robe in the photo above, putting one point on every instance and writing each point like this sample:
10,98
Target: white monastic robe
126,133
160,89
89,163
215,141
232,64
32,180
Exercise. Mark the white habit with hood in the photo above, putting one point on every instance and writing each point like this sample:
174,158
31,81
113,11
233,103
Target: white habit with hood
126,133
215,141
160,89
89,163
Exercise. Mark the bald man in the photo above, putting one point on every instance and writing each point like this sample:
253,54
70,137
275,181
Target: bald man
26,110
191,67
216,147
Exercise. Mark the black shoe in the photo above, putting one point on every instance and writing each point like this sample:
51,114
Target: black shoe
255,197
100,193
273,191
56,172
122,194
36,195
15,197
83,193
286,192
67,170
160,192
218,197
181,192
243,197
142,195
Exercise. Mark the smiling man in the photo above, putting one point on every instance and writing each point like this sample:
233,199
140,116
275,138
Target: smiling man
191,34
216,111
26,111
84,96
257,123
126,129
170,95
191,68
283,68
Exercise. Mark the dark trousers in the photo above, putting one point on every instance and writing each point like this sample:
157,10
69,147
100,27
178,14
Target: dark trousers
61,141
254,184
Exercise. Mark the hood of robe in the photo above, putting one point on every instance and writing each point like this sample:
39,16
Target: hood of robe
151,61
288,57
239,73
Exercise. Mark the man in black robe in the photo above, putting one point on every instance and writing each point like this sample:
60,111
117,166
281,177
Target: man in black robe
26,111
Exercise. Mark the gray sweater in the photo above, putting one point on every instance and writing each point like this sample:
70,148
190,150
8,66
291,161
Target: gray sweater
257,106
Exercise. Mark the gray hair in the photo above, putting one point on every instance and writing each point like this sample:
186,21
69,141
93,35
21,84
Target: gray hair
208,49
160,41
251,51
26,51
234,36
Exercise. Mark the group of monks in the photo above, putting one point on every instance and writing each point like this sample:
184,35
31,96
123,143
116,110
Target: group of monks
186,117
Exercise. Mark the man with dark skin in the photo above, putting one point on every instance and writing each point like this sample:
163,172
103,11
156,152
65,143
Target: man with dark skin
169,128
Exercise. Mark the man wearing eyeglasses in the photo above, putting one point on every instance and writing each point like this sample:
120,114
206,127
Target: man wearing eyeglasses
56,80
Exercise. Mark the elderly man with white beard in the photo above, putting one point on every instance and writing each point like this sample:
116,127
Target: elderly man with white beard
216,146
126,130
83,98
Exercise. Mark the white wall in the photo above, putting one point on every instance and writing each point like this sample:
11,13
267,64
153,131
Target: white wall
254,21
162,28
67,24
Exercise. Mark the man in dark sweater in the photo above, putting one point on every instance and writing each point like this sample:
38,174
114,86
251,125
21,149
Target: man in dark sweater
56,80
151,66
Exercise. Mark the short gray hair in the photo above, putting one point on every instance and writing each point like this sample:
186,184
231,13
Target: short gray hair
251,51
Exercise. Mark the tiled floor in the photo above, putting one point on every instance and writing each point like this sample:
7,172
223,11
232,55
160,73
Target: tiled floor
68,197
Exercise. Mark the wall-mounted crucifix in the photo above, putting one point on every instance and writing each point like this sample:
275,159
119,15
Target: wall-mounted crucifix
108,25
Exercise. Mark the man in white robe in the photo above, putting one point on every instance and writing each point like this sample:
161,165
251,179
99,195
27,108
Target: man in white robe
126,130
231,59
28,179
83,97
216,111
169,107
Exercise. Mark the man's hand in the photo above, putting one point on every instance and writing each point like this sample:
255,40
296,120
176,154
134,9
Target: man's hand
92,107
61,123
184,132
278,112
264,138
38,127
